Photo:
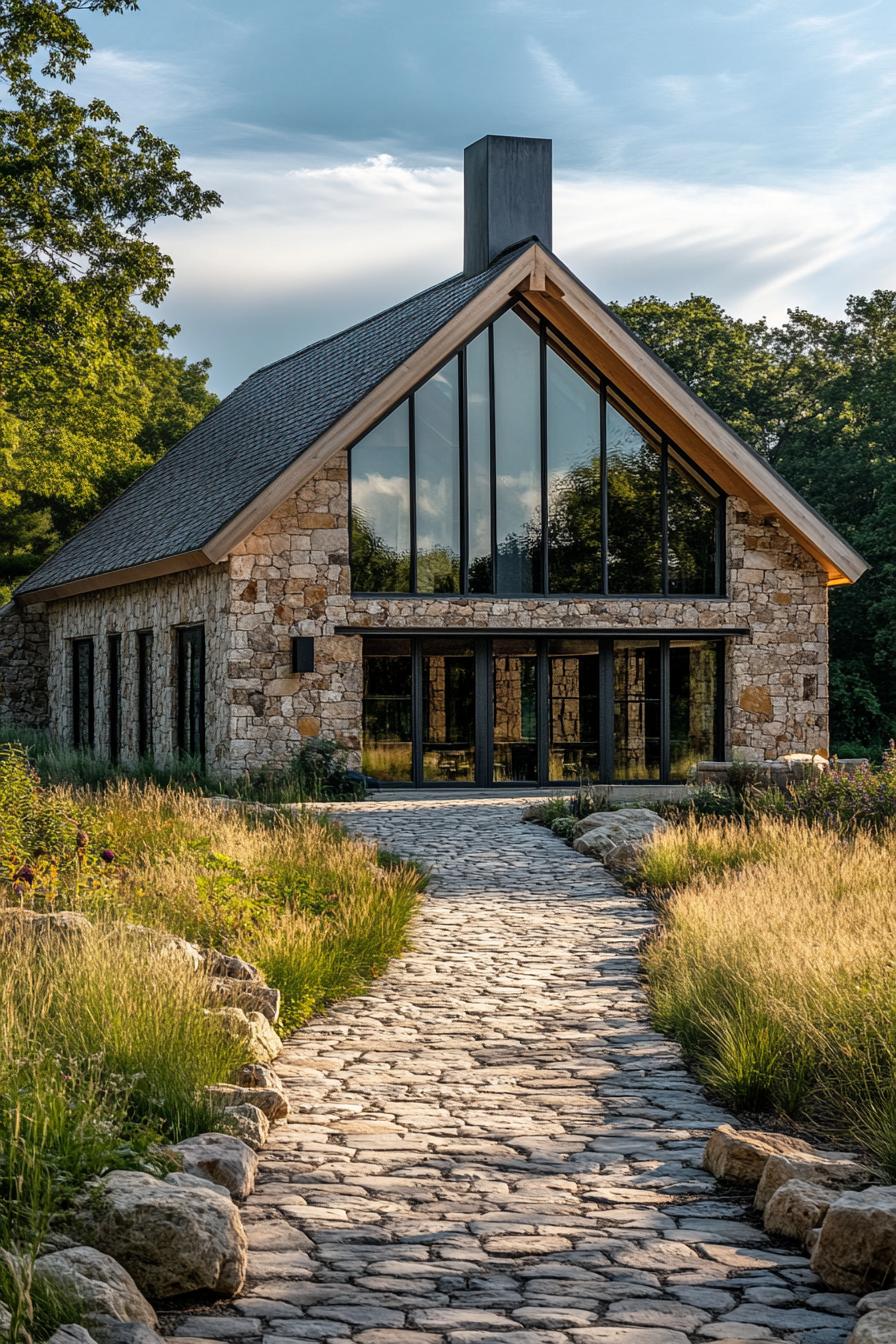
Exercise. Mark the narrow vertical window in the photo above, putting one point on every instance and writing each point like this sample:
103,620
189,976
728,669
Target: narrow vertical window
82,694
693,521
387,752
113,667
517,455
693,687
191,691
381,507
144,695
479,466
636,710
634,526
574,506
437,481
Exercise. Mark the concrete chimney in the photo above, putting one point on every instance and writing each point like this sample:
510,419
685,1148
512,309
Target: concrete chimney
507,197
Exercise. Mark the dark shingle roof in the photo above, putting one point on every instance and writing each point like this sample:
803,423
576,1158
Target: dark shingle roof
252,436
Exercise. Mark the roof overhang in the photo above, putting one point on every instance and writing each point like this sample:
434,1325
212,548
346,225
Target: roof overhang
606,341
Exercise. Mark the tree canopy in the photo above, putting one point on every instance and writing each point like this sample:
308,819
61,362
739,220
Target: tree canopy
817,396
89,394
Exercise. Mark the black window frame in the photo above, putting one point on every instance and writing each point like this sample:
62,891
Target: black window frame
145,715
608,393
113,692
190,716
544,640
78,690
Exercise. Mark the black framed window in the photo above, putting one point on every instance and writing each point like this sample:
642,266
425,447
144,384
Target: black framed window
82,694
191,691
113,706
515,708
145,744
518,468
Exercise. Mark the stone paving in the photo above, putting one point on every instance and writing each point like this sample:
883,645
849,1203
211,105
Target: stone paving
493,1145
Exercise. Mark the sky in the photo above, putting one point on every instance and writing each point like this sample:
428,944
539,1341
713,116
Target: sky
744,149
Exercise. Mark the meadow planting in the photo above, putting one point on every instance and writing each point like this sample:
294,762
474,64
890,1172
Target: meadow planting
775,967
106,1039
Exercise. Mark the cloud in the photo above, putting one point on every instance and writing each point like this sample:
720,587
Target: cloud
300,250
555,77
145,90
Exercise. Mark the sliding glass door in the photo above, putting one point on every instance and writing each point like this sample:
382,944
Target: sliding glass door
485,710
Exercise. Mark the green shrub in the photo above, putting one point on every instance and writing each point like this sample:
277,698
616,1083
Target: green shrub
564,827
317,771
551,810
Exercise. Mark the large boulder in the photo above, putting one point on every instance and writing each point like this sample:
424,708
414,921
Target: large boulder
124,1332
272,1102
229,967
878,1327
795,1208
260,1041
247,1123
177,1235
616,838
250,995
76,1334
856,1248
16,920
101,1286
741,1154
259,1075
836,1171
167,945
220,1158
877,1301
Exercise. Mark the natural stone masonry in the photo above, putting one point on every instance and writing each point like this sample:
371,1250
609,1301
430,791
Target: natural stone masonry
493,1145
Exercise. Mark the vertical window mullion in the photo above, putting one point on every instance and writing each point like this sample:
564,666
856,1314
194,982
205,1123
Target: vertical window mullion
605,708
664,517
492,459
604,493
543,449
665,712
463,472
417,711
412,492
542,712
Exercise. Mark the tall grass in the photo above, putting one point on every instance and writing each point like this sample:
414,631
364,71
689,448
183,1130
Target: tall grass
105,1042
775,967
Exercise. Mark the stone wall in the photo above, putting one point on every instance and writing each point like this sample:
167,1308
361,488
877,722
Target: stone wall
291,576
23,666
200,595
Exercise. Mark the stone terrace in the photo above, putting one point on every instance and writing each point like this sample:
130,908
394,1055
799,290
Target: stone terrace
493,1144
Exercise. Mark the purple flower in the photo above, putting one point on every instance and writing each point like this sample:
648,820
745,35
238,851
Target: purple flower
107,856
24,874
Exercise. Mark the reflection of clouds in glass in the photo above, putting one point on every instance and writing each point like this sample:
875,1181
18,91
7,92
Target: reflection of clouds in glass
374,487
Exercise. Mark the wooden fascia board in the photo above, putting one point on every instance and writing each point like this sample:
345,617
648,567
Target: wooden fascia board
660,395
114,578
372,407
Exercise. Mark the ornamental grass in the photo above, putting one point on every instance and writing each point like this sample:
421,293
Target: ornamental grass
775,967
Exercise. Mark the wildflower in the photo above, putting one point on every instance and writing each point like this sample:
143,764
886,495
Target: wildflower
107,856
24,874
81,841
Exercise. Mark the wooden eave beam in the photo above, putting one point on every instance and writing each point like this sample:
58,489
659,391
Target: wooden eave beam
156,569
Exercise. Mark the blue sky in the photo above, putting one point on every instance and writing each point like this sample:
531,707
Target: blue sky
740,148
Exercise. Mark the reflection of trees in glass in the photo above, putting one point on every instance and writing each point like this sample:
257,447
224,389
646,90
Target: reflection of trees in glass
693,519
376,566
438,570
634,542
519,560
574,540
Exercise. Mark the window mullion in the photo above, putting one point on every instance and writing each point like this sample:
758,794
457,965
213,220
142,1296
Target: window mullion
664,517
604,493
493,488
463,472
412,493
543,450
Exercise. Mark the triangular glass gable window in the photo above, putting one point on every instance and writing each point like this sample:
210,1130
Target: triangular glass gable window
516,469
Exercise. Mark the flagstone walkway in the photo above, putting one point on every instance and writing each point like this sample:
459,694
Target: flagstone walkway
492,1146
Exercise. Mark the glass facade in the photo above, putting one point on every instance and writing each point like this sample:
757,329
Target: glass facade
517,469
539,709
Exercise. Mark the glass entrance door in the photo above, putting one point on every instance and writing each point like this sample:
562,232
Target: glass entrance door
482,710
449,711
514,711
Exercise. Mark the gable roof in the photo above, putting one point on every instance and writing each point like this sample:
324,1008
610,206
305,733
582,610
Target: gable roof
172,510
269,435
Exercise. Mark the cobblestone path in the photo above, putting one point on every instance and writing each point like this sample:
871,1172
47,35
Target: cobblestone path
492,1145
